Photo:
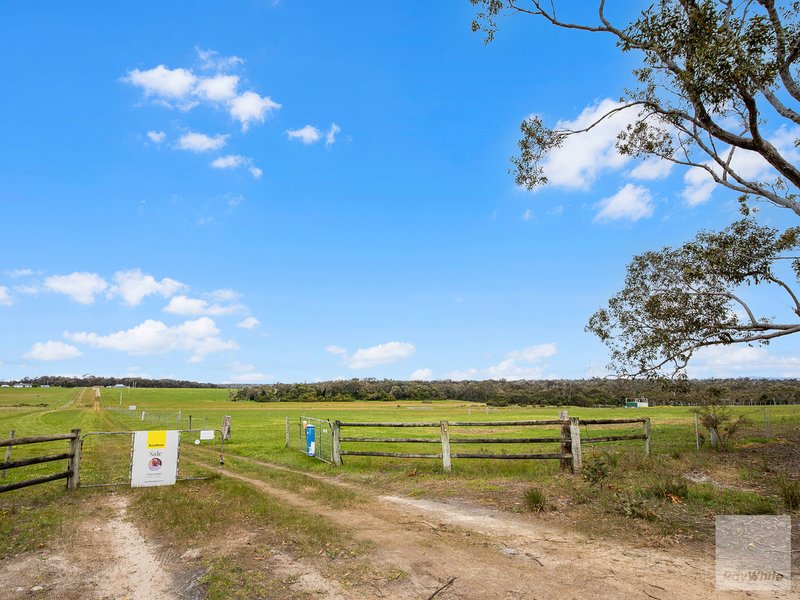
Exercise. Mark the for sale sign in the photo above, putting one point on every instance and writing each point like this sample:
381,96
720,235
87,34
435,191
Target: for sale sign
155,458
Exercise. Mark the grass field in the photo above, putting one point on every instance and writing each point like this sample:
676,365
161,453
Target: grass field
259,428
672,496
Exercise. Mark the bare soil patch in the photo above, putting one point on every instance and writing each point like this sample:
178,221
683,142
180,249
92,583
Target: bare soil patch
492,554
105,557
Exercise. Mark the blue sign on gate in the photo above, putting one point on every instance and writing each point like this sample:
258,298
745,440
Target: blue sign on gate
311,446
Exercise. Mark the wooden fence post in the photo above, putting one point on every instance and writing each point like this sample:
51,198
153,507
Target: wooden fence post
445,435
226,427
190,423
566,442
696,432
647,437
287,431
8,453
337,441
575,437
74,464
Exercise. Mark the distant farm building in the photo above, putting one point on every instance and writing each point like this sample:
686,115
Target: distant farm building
636,403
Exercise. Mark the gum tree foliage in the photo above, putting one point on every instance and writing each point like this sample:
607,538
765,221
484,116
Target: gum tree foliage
678,300
713,74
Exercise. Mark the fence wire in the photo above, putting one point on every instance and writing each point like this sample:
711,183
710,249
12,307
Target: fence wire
323,438
162,419
107,455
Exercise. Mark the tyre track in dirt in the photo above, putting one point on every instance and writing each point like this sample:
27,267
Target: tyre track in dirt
104,557
132,569
497,555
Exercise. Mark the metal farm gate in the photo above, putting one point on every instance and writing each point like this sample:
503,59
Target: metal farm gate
107,456
323,438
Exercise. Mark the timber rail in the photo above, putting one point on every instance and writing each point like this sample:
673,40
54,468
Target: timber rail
572,434
73,458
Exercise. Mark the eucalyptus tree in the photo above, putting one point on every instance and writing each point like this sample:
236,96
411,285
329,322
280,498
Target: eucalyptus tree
716,90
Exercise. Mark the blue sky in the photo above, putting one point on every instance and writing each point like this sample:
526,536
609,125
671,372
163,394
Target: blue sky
257,191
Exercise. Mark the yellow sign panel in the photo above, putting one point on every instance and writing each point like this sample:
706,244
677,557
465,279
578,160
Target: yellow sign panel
156,439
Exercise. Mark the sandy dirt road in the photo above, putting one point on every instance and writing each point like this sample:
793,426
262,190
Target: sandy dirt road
489,554
446,551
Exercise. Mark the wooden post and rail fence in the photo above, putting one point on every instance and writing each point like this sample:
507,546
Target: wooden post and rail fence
73,458
569,439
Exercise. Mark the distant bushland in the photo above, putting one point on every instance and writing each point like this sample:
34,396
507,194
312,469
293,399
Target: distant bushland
95,380
573,392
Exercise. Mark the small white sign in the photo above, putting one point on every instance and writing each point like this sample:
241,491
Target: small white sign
207,434
155,458
131,408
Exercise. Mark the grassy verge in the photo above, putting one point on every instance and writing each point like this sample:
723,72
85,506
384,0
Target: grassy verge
238,528
330,494
32,518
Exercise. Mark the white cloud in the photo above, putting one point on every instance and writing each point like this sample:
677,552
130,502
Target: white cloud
249,323
364,358
583,157
5,296
29,290
250,106
81,287
52,351
421,375
254,377
181,88
183,305
233,201
200,337
200,142
133,285
231,161
527,215
699,185
224,295
738,361
220,88
235,161
518,364
156,136
330,136
335,349
652,168
307,135
162,82
212,60
238,367
16,273
631,202
533,353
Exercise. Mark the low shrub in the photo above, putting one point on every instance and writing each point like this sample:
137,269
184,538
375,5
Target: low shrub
536,499
596,470
632,505
790,492
669,489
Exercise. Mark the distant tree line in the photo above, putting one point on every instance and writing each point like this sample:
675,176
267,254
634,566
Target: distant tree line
94,380
580,392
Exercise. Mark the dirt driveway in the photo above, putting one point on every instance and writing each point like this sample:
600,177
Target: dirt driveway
444,551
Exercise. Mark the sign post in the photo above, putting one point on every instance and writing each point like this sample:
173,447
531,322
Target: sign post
155,458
